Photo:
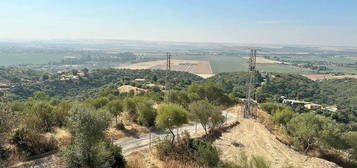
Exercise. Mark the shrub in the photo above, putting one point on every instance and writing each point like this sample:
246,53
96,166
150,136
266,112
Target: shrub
271,107
206,154
102,154
39,117
188,150
351,139
61,113
32,142
283,117
116,153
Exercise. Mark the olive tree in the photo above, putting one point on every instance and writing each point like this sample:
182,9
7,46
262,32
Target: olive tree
311,129
115,107
171,116
90,149
146,114
206,114
130,106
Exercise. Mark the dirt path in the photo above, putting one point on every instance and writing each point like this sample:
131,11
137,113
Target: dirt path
134,144
254,139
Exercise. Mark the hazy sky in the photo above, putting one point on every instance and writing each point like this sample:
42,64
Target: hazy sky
327,22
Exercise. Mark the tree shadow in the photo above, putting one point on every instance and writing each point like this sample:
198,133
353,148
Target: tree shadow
132,133
236,144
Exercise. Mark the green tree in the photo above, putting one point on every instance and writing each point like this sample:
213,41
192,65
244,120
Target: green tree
146,114
209,92
309,129
99,102
130,106
178,97
170,116
40,95
206,114
90,149
115,107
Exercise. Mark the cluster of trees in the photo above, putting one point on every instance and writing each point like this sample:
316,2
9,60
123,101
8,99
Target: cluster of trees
340,92
96,80
313,131
39,115
234,83
36,120
289,85
343,93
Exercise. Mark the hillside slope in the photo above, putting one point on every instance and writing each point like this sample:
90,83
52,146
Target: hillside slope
254,139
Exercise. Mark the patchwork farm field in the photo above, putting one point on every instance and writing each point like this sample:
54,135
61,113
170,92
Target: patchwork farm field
198,67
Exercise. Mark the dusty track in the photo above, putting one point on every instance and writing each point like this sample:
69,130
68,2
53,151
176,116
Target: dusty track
134,144
254,139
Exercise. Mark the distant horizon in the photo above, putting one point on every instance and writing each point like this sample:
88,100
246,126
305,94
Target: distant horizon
293,22
161,41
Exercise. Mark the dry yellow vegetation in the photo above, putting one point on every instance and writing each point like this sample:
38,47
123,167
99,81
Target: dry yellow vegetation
254,139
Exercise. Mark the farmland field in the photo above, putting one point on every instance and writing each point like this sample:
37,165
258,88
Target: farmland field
239,63
262,60
198,67
328,76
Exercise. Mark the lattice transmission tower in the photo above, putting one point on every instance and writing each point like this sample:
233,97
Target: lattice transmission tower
248,107
167,76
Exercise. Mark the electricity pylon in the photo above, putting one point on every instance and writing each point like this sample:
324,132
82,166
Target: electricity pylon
248,107
168,69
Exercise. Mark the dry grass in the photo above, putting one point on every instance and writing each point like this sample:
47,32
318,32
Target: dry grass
113,134
146,160
129,88
131,128
63,137
253,138
143,159
278,131
177,164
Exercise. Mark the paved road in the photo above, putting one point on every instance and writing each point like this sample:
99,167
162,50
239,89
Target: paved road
133,144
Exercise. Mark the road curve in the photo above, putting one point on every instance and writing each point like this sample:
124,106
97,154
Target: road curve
133,144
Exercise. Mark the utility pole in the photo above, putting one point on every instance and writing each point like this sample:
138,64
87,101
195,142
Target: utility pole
168,69
248,107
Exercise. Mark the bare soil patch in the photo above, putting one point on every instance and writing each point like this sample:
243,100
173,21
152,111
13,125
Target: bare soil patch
262,60
129,88
198,67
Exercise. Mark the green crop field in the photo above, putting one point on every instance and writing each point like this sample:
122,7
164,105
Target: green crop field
238,63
